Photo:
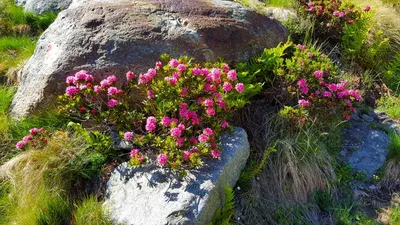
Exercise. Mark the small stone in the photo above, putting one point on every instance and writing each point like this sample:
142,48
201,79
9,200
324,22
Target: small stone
238,188
367,118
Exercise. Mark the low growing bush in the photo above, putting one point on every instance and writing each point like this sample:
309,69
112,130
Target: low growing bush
185,107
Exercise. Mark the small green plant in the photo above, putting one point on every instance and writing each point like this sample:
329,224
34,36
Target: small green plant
394,146
390,105
251,171
223,216
392,74
323,199
90,211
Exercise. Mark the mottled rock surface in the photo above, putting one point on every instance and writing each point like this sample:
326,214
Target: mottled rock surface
364,148
151,195
111,37
41,6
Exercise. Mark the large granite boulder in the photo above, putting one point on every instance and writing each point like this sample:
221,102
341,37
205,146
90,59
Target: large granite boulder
41,6
151,195
111,37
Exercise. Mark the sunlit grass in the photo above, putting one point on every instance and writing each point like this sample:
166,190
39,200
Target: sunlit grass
90,211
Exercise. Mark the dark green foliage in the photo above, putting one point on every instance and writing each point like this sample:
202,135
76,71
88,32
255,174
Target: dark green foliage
224,215
251,171
394,146
392,74
323,199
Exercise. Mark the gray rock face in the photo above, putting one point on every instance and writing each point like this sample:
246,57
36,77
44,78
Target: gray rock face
364,149
151,195
111,37
41,6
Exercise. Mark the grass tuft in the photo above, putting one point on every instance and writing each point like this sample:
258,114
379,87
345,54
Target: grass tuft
90,211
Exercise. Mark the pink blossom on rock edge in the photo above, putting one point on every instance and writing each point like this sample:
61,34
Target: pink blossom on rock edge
162,159
128,136
224,124
181,67
130,75
215,153
134,152
180,142
70,80
186,155
173,62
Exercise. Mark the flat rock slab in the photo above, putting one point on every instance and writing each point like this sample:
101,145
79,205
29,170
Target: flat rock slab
365,149
151,195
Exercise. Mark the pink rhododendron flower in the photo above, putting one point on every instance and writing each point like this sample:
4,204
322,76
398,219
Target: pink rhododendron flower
224,124
186,154
158,65
367,8
104,83
329,25
215,153
347,117
134,152
89,78
27,138
193,141
166,121
112,90
81,75
173,62
239,87
309,54
351,21
332,87
232,75
82,87
341,14
174,121
34,131
336,13
196,71
181,127
215,74
112,103
311,9
227,86
70,80
318,74
203,138
20,144
112,79
150,94
162,159
205,71
181,67
221,105
71,90
172,80
302,47
208,102
195,120
97,89
183,92
210,111
128,136
176,132
327,94
303,102
304,90
208,132
180,142
130,75
302,83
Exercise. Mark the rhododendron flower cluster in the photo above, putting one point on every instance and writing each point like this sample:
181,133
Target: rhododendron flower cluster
331,16
184,108
36,138
314,84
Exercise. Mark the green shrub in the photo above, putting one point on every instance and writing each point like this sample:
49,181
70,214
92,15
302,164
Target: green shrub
390,105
